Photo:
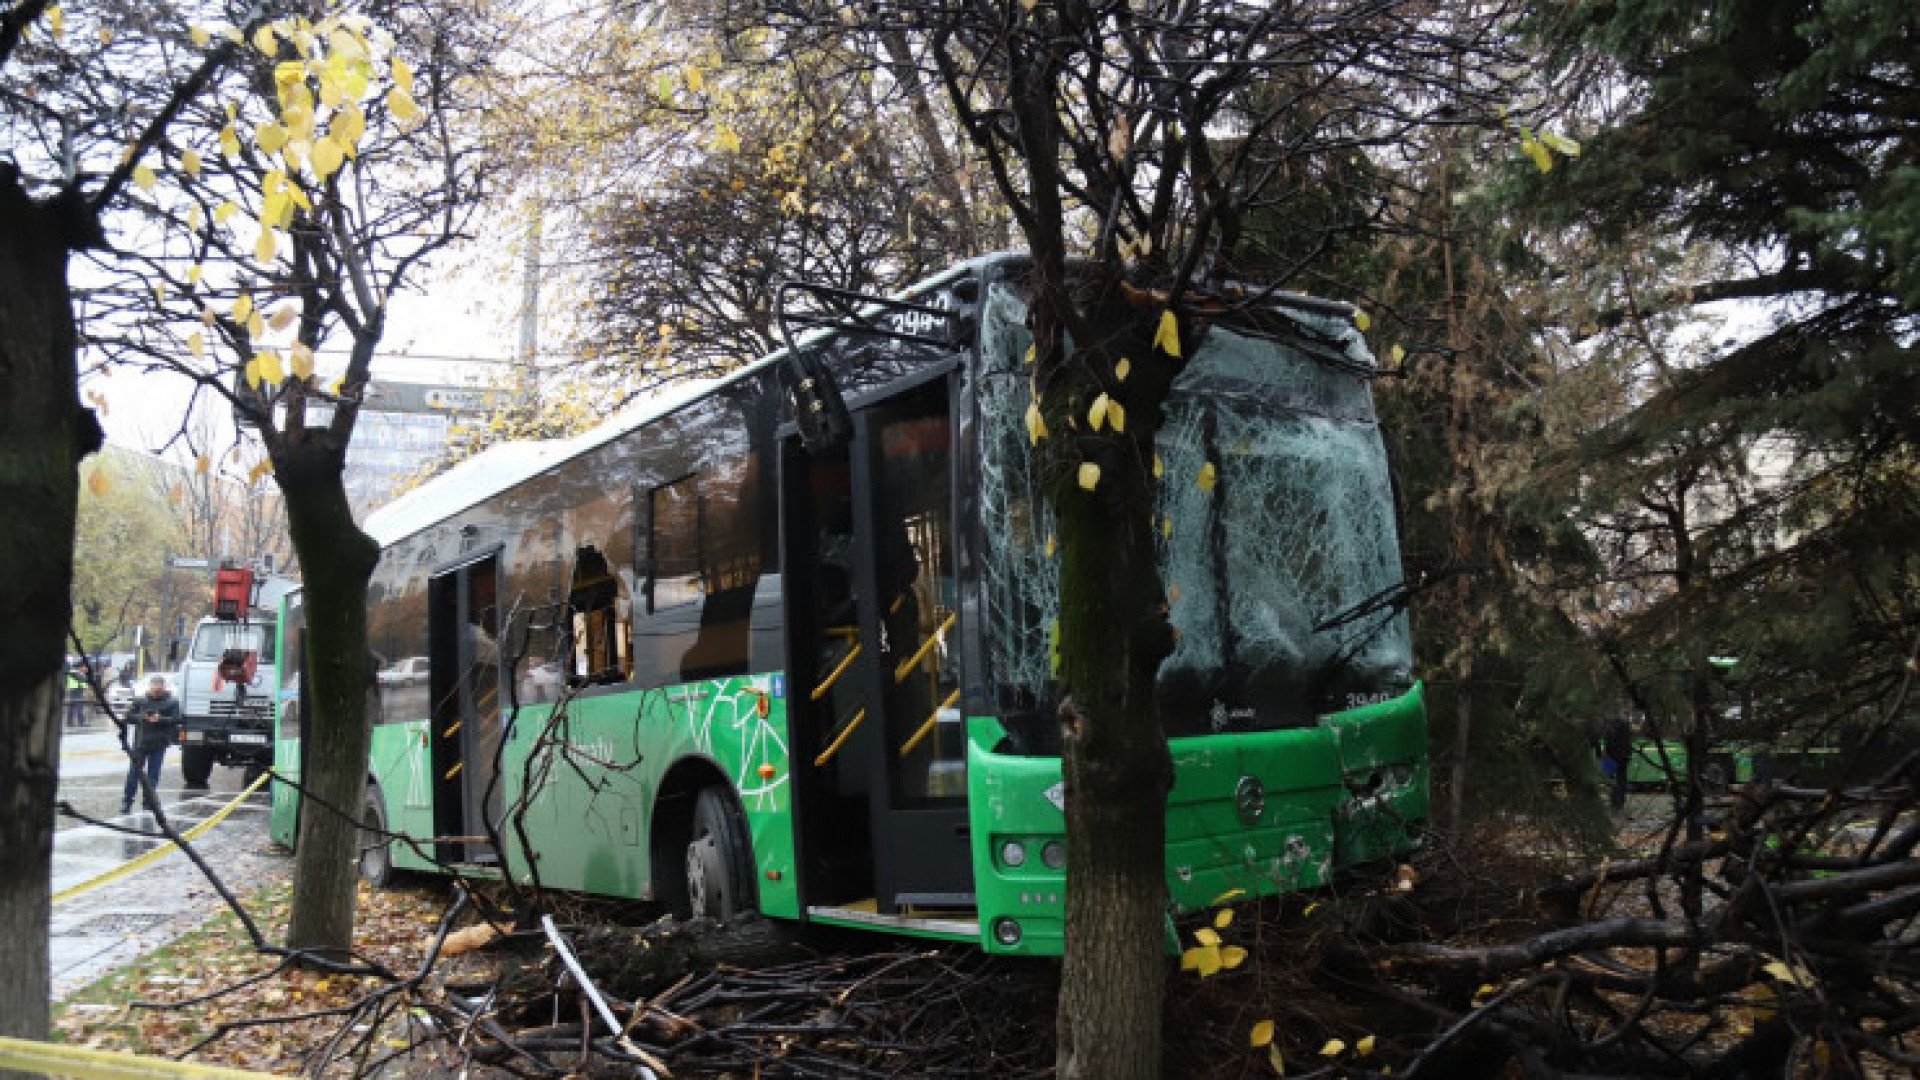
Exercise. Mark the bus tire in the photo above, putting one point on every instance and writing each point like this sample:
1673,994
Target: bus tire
376,852
196,765
719,862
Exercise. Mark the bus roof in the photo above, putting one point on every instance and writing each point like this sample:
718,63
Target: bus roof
501,467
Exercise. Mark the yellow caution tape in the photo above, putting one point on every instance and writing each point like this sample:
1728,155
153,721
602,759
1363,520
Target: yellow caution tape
163,850
57,1059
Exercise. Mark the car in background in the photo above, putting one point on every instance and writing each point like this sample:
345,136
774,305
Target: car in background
121,695
405,672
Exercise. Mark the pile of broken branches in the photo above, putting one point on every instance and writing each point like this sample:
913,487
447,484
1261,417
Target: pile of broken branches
903,1012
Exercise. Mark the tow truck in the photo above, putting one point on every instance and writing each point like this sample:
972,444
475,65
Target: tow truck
229,678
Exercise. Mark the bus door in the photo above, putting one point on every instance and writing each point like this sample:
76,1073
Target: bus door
464,727
870,537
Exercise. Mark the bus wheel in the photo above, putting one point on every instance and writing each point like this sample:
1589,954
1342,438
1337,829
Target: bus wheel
376,851
719,865
196,765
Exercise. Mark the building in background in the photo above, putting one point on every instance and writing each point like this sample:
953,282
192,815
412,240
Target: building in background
403,430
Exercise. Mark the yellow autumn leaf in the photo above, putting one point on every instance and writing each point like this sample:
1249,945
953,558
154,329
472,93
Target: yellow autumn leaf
327,156
252,373
1231,894
1036,423
1089,475
1261,1035
1117,416
1333,1048
1207,478
229,143
1201,959
106,35
1793,976
270,369
1486,991
1097,412
1274,1059
1166,526
143,178
349,124
224,211
1362,320
1122,369
1050,547
1223,918
1561,143
297,118
195,218
190,161
200,36
196,344
97,481
264,249
1160,470
256,325
242,307
402,74
271,137
1206,936
1167,337
301,360
159,292
201,464
260,469
282,317
56,20
1537,150
265,40
1032,352
1232,956
726,139
1364,1047
696,79
401,104
1397,355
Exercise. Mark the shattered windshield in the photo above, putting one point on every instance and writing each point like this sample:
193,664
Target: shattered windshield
1270,571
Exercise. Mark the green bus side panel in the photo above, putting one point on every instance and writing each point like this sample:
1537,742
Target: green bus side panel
400,766
282,816
596,770
1262,813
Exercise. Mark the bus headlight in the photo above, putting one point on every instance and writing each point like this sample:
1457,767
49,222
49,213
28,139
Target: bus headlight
1054,854
1006,931
1013,854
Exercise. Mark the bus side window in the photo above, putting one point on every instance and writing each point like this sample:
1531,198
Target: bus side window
602,648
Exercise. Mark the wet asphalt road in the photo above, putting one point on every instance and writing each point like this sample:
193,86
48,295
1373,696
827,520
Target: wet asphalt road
113,925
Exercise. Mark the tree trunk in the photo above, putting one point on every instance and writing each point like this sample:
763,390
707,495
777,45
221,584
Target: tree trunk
336,560
1113,636
43,435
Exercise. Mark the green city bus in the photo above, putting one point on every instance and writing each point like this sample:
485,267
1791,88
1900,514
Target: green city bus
710,656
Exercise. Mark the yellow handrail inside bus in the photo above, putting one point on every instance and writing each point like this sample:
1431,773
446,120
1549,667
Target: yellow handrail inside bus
906,666
821,690
834,748
913,741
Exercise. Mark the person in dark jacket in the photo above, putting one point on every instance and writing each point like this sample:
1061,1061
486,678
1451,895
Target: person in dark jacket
153,722
1616,752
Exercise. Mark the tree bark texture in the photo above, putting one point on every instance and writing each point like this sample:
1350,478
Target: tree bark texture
337,560
1113,636
43,435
